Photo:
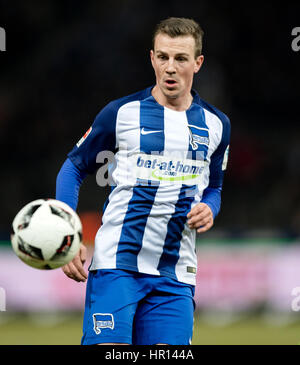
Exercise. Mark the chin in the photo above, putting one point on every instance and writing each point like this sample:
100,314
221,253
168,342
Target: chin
173,94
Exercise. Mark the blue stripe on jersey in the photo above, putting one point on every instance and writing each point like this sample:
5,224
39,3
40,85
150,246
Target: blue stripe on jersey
170,255
152,138
140,204
133,228
199,137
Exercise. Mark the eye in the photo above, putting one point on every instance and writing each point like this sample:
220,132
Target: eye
181,59
162,57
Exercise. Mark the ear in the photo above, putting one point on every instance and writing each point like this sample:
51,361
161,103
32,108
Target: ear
198,63
152,56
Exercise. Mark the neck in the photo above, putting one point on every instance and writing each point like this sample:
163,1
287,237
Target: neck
178,103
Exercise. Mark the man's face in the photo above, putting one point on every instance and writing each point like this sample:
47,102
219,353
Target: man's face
174,63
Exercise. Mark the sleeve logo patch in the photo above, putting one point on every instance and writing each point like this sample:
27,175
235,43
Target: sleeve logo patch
225,159
82,139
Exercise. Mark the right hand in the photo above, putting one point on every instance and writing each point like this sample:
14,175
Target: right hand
74,269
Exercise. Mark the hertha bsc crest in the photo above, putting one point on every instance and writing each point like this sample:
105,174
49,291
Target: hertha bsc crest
196,139
103,320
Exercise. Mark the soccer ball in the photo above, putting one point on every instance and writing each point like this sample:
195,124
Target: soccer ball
47,234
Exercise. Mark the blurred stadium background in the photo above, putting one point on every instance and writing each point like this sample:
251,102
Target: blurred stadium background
64,61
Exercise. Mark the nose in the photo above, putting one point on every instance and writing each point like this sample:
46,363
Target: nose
171,66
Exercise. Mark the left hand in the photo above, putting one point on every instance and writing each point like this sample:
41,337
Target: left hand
74,269
200,217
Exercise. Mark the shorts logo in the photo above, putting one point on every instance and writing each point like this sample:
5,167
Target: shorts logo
103,320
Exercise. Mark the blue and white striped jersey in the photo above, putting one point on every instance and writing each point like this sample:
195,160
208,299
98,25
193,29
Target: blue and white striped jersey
164,162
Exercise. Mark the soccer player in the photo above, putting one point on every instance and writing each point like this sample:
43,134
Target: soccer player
170,149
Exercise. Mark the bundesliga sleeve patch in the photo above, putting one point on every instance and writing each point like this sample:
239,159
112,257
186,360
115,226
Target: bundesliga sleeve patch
225,159
82,139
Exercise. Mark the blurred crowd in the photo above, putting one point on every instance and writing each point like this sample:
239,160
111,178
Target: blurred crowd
66,60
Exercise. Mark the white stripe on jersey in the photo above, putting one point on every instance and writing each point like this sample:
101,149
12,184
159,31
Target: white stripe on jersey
110,231
187,257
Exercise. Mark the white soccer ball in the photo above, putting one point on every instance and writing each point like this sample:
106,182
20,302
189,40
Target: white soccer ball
47,234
